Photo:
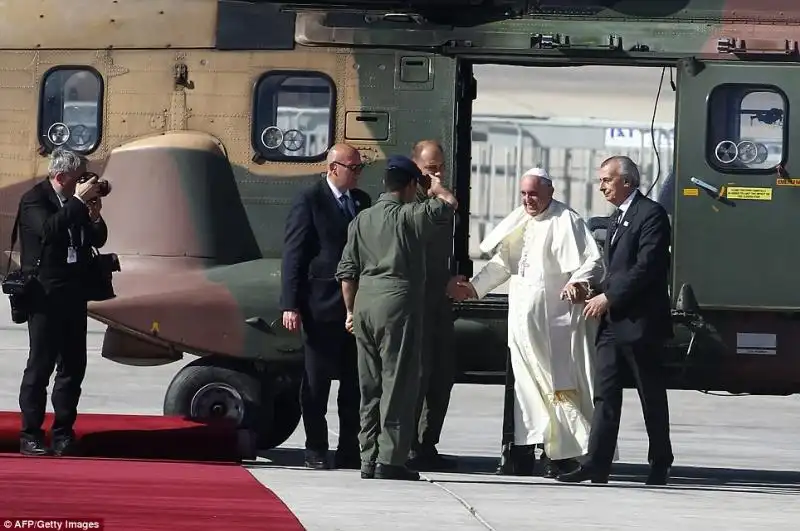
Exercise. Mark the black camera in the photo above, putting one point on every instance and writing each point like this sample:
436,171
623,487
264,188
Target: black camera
20,288
19,309
103,186
15,283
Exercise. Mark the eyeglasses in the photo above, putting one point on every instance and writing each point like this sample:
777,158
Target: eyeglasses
352,167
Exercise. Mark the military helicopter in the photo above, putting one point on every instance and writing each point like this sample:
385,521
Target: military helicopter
209,115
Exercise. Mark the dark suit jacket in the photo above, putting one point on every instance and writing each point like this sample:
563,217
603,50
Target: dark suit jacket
637,280
316,233
44,234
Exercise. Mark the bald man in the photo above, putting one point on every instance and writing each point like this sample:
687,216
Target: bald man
311,300
438,346
553,263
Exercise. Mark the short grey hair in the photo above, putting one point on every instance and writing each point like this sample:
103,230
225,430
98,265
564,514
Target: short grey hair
64,161
628,169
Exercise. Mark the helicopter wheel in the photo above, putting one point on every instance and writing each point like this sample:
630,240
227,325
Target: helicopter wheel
216,388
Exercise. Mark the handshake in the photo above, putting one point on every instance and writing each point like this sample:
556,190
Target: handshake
459,289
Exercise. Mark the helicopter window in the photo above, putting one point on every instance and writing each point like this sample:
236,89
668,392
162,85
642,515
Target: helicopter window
70,113
293,116
747,131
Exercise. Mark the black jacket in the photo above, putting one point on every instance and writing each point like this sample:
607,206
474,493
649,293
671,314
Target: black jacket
637,279
316,233
44,234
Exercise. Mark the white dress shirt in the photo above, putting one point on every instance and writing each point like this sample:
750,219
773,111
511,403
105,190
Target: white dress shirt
623,208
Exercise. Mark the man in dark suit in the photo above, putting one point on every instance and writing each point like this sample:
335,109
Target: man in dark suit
634,313
438,351
59,223
311,299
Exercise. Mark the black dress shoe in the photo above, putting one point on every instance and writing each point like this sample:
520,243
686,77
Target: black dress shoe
551,470
395,472
65,447
368,471
33,447
554,468
658,475
582,474
317,460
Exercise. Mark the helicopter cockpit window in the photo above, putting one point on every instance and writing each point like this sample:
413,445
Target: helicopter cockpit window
70,114
293,116
747,130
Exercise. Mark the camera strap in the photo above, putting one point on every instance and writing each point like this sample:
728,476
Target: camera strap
13,242
14,233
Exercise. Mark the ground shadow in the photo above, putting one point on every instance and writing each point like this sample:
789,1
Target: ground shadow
481,470
627,475
139,437
280,458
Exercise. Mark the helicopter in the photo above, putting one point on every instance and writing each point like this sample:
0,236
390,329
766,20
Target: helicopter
209,115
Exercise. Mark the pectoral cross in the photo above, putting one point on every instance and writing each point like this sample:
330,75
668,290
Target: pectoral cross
526,246
523,264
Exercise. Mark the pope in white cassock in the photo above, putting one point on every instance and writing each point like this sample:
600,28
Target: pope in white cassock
552,261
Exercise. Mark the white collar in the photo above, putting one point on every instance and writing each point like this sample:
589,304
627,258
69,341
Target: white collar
627,203
336,192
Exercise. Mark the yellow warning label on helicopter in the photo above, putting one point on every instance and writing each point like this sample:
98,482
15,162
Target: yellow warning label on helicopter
745,193
691,192
788,182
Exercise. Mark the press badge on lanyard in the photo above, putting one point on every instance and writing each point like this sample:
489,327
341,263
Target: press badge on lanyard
72,251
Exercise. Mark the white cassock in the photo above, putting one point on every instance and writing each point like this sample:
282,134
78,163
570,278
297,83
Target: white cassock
551,342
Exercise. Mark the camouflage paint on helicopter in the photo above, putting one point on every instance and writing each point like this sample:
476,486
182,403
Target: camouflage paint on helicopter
196,219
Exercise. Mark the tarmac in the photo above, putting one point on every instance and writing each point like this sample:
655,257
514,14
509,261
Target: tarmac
737,463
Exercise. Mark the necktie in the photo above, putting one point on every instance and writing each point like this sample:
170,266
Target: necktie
347,204
614,225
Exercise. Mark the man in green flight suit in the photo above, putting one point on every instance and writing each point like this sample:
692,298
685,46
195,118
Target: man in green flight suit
438,345
382,271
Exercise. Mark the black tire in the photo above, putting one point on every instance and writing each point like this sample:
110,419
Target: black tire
272,414
199,379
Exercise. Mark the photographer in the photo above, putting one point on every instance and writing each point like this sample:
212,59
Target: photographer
59,223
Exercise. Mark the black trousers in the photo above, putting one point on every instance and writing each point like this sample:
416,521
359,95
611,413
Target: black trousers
644,362
57,332
330,353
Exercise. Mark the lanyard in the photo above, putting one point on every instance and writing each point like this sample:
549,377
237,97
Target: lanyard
70,229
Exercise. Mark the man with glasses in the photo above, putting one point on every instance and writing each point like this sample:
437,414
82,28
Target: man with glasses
311,300
59,222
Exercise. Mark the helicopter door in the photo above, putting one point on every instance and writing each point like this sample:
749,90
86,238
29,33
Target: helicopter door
737,207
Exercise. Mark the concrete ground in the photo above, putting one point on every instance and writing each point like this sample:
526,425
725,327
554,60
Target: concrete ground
736,463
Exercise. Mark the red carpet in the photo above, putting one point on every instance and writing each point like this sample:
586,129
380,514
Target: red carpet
140,495
138,437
